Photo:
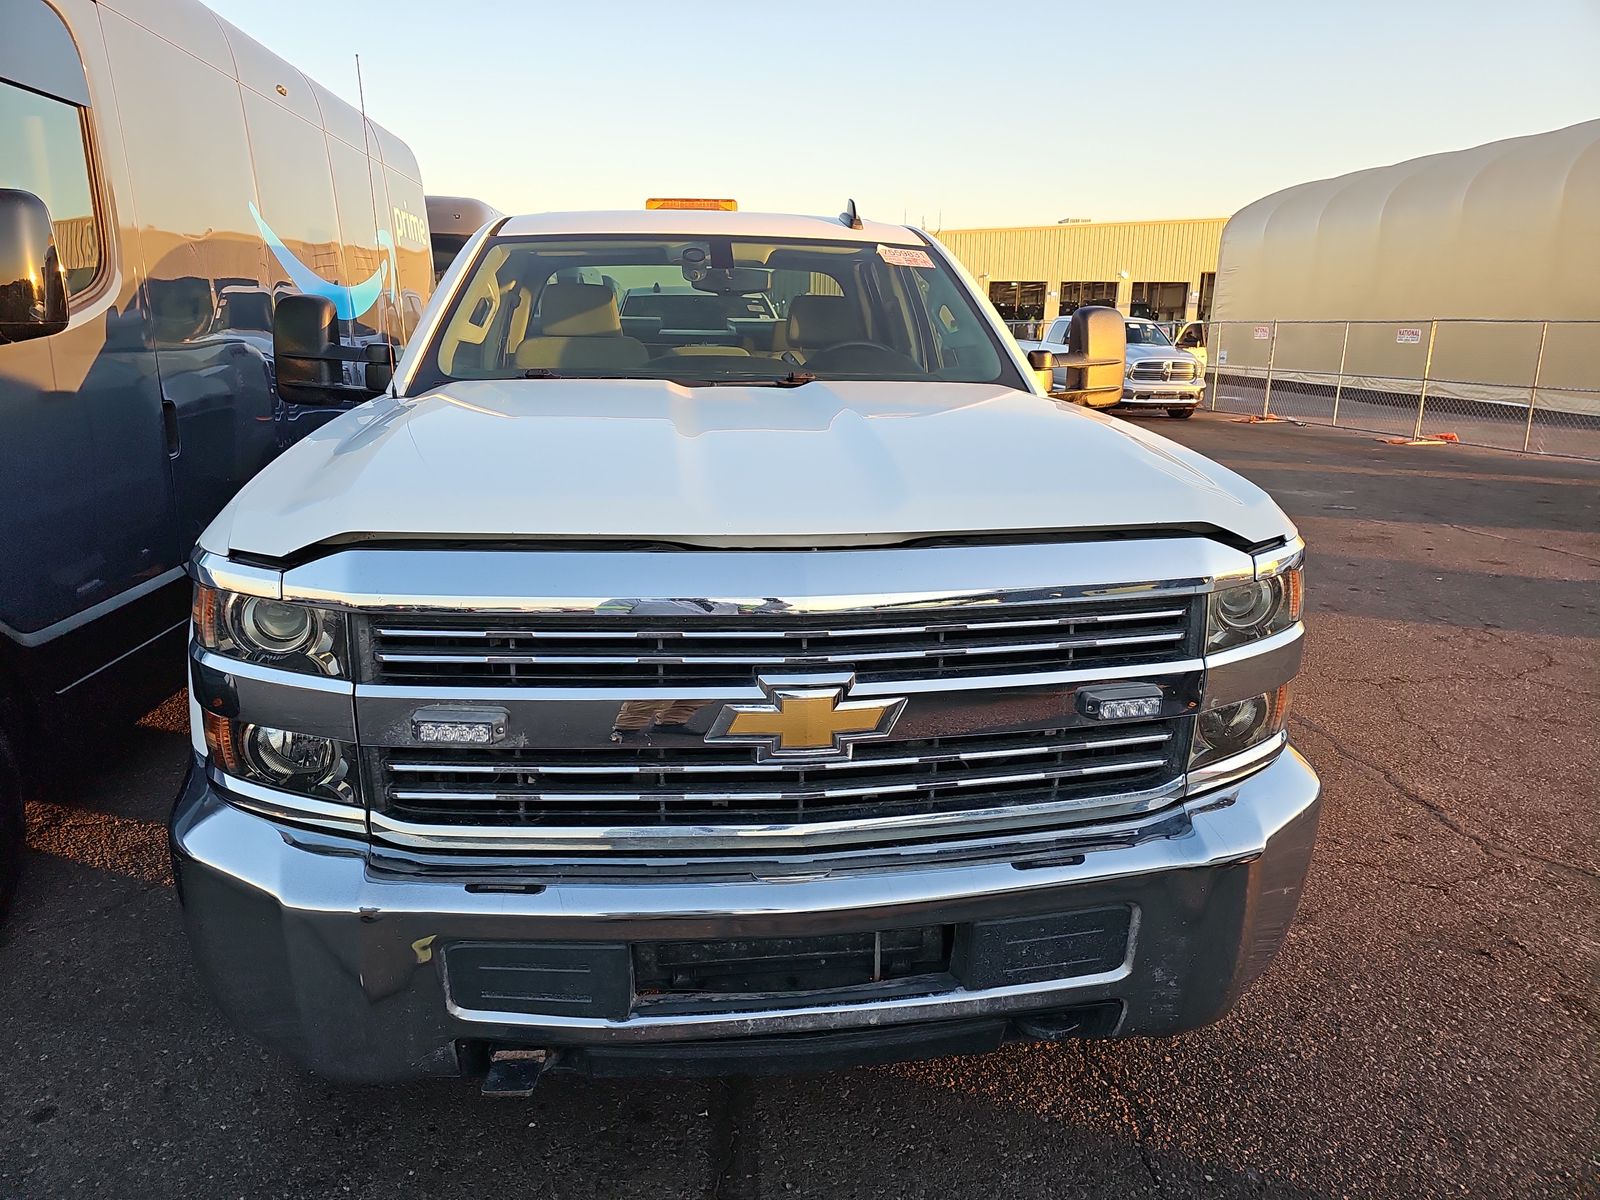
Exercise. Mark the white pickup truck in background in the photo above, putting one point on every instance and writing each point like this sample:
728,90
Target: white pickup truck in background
1158,374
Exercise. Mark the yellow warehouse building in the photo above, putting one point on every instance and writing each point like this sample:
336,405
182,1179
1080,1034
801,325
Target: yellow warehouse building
1166,270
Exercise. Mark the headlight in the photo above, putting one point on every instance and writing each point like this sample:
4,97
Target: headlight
302,763
1248,611
1221,733
295,637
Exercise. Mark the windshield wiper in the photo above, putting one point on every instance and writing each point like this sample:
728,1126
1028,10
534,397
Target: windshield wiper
792,379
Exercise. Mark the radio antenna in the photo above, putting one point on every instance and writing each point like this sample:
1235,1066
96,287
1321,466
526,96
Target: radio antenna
372,192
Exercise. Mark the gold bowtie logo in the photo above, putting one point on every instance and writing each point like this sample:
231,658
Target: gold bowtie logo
806,719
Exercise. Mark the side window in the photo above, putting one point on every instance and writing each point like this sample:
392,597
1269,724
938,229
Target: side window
43,150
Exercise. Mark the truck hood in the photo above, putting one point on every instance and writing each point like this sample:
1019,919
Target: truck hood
1138,352
825,464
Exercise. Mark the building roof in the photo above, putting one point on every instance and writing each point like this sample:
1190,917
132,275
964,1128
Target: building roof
1508,230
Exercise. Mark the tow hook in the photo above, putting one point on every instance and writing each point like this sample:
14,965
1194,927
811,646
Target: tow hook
515,1073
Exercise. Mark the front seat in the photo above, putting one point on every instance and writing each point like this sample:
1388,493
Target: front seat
579,329
819,321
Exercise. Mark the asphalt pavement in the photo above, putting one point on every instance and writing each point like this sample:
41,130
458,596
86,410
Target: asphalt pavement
1429,1030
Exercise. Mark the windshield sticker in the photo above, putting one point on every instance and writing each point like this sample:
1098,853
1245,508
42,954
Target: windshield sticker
904,256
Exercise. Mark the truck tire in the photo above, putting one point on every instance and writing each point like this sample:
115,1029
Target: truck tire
1182,414
11,825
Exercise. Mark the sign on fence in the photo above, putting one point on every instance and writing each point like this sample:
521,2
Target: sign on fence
1263,332
1407,335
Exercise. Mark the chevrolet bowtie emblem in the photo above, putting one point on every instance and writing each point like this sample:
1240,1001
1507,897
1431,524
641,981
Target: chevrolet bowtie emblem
806,718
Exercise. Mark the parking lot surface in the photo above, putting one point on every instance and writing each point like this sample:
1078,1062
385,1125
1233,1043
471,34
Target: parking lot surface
1430,1029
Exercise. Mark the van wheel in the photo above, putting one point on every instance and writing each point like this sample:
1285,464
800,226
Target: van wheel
11,825
1182,414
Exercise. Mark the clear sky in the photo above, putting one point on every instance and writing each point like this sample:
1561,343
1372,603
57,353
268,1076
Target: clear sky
959,114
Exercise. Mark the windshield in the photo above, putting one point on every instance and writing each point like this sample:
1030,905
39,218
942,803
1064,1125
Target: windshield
711,311
1142,334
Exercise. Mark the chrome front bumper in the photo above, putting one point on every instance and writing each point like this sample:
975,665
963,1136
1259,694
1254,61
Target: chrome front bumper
1156,394
313,948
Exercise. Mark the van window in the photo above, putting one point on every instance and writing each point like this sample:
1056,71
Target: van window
43,151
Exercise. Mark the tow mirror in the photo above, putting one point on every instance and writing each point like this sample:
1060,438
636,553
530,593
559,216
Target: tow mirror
1097,361
33,288
1043,363
309,358
305,348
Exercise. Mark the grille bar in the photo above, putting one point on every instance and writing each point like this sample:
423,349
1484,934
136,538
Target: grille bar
1162,369
701,649
504,658
628,635
681,792
402,767
796,794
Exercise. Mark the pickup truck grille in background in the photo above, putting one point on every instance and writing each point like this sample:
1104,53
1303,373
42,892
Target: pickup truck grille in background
1166,370
697,785
708,649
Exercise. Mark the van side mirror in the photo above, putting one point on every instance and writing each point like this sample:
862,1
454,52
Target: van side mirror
33,287
1097,361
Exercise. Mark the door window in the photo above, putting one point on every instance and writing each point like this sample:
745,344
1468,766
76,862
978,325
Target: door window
43,150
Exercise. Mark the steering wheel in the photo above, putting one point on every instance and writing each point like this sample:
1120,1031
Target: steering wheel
821,357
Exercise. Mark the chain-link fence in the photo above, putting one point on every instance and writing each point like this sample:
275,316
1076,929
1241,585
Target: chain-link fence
1516,385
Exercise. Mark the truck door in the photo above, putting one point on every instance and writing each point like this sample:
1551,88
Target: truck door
85,489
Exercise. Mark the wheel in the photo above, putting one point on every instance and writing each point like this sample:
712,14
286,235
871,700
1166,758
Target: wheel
11,825
1182,414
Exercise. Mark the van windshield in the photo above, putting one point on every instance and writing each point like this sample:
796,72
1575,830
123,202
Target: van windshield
712,311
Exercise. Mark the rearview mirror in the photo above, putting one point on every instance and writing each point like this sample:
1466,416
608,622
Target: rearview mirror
33,288
1096,363
735,281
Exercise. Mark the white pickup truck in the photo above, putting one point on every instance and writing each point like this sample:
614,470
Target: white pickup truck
611,701
1158,375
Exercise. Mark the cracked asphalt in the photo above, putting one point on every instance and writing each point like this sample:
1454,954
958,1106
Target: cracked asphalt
1429,1030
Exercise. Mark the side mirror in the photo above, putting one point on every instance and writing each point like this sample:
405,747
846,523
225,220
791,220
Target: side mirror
379,366
33,288
305,348
1097,361
1043,363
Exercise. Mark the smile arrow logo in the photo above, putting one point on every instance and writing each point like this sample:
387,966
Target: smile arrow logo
348,302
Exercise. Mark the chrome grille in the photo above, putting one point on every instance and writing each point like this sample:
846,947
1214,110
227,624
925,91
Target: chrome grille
702,648
1166,370
696,785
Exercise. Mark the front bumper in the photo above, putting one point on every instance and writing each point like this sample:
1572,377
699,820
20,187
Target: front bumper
314,949
1156,394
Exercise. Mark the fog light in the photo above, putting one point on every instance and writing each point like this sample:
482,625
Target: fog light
284,759
285,755
1234,728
